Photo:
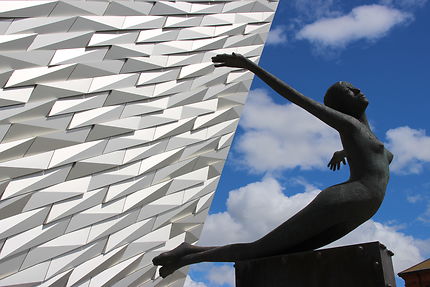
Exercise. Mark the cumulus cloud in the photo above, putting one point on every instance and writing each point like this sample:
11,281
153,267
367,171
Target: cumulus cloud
291,137
214,274
367,22
219,275
277,36
257,208
408,251
411,149
424,246
301,181
252,211
190,283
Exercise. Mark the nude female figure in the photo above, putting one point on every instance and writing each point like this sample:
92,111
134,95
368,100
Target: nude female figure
336,210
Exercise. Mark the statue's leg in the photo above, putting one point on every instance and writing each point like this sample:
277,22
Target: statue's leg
333,213
182,250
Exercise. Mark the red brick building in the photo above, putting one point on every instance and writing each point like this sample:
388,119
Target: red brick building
418,275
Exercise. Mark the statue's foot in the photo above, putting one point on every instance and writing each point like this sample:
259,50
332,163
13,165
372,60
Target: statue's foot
166,270
174,256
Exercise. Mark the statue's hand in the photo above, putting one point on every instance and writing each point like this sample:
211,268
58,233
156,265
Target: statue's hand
234,60
335,161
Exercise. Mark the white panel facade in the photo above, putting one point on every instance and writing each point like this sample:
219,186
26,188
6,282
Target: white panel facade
114,129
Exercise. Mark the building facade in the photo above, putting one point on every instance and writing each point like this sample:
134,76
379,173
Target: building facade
114,129
417,275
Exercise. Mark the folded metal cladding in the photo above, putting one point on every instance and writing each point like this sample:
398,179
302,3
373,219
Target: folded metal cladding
114,129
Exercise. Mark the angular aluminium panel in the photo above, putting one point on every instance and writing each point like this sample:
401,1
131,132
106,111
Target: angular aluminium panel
114,128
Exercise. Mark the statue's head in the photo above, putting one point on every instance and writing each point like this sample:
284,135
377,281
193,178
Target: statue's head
345,98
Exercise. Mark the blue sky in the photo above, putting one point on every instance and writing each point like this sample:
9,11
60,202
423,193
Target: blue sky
278,159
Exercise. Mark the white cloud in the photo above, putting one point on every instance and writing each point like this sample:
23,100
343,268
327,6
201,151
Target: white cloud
219,275
254,210
277,36
411,149
292,138
190,283
278,137
414,198
301,181
425,217
368,22
424,246
406,248
213,274
422,199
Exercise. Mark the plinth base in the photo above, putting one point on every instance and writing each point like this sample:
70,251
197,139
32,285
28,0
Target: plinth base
361,265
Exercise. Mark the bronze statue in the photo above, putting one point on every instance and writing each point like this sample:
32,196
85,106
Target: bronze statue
336,210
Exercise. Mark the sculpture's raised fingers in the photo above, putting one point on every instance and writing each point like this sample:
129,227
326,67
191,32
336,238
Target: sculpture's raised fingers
217,59
220,58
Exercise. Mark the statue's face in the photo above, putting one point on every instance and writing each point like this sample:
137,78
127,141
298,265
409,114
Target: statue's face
356,97
346,98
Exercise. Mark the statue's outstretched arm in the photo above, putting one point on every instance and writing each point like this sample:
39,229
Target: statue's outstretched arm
333,118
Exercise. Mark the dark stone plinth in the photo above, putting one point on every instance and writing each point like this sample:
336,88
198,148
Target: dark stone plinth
361,265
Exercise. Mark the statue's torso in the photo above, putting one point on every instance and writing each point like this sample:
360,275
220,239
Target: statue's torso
368,159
